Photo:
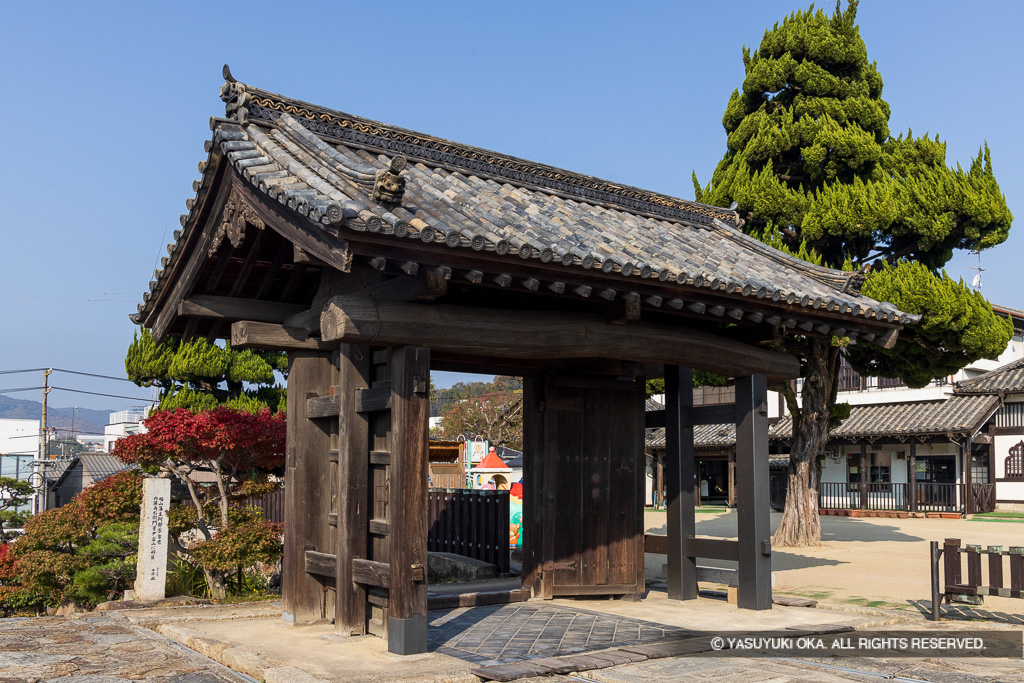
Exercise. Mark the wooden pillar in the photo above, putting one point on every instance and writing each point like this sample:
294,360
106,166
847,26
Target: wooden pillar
307,489
679,474
410,414
754,528
969,507
731,478
659,479
863,467
912,476
533,482
353,495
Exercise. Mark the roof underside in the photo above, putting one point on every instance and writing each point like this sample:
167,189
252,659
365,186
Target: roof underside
343,187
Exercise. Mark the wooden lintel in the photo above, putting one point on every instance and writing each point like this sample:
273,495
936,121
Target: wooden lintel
323,406
248,334
228,308
541,335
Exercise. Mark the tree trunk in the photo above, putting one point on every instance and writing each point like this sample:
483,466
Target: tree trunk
801,524
216,581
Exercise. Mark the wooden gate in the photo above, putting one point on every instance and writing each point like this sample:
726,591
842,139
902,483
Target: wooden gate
376,556
584,533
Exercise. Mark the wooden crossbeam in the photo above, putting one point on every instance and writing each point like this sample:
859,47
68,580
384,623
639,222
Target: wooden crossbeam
534,335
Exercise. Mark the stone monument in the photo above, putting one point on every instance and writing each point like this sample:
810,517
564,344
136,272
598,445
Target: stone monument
151,570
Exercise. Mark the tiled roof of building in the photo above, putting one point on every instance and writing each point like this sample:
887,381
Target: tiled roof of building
97,465
348,175
704,436
1008,379
956,414
652,406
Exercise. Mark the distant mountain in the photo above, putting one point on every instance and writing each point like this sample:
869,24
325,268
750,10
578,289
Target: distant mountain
87,420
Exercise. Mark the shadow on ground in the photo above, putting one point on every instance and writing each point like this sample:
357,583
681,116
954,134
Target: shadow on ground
968,613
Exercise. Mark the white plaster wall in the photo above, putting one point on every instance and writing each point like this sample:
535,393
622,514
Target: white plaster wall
1007,490
19,437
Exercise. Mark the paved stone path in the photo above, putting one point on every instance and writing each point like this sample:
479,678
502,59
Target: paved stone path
98,649
510,633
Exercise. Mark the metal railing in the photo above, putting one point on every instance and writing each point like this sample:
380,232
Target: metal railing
928,497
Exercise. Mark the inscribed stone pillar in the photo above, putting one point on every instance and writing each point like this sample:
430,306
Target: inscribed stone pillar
151,570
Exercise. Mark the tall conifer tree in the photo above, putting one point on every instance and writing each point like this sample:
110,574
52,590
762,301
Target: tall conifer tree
813,167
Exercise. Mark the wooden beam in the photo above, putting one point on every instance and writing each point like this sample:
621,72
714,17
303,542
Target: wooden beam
228,308
248,334
533,335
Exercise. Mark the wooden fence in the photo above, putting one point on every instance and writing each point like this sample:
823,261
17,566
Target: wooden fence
471,523
951,555
271,505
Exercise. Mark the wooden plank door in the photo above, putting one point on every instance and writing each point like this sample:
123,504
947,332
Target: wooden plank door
592,480
381,563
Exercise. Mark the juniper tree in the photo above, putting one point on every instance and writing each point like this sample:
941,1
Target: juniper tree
198,375
814,170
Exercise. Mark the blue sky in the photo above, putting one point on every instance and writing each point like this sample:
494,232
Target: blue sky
105,111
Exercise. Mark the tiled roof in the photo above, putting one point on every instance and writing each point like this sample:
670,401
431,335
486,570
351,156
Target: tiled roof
347,175
1008,379
956,414
98,465
704,436
652,406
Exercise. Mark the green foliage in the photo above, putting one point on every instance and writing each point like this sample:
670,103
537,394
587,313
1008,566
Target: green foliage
185,577
81,551
196,375
147,362
701,378
14,493
810,155
110,559
248,540
957,326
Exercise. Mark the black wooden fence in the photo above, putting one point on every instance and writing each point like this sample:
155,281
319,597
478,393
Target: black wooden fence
470,523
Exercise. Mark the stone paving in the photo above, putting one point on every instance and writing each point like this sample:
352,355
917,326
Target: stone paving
510,633
96,648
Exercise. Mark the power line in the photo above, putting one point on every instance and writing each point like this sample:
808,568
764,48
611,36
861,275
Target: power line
96,393
71,372
11,391
91,374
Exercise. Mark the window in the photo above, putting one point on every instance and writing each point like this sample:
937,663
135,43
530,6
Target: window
1015,463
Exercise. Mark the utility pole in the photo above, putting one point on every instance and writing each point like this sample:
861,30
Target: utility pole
42,432
38,466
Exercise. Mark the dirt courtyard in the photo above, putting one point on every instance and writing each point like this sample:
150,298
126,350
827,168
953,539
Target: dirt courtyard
871,562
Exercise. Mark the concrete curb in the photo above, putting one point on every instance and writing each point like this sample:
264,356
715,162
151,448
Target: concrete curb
237,658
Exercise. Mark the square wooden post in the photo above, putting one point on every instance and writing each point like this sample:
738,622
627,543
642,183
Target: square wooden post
679,475
307,489
863,481
353,495
754,526
912,476
410,413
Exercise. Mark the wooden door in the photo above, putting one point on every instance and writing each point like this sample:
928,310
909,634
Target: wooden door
590,479
382,557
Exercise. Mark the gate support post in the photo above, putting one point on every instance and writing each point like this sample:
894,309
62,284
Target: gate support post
679,475
353,483
307,489
410,413
754,527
